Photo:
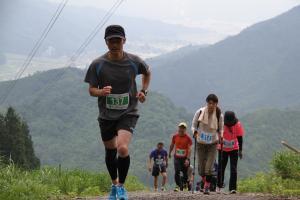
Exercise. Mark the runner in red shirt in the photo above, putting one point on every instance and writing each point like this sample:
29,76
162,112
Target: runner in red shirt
232,148
182,144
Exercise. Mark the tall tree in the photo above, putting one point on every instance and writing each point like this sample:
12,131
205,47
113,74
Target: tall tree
15,138
16,143
32,161
3,140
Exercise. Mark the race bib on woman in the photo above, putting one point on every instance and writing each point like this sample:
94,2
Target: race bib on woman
206,138
117,101
229,144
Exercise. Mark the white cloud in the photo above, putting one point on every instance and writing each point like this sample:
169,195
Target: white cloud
226,16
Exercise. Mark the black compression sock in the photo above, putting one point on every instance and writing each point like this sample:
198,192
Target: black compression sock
123,166
111,163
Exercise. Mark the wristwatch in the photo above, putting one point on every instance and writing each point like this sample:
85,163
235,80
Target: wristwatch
145,92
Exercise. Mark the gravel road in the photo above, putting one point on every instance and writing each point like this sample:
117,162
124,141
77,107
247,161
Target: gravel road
198,196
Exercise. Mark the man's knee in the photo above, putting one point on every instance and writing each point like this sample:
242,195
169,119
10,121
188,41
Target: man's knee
123,150
164,175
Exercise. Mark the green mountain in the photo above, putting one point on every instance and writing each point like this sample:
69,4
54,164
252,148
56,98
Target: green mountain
63,120
255,69
265,129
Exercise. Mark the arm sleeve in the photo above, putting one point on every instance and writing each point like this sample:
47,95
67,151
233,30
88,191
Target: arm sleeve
151,155
239,129
143,68
91,76
195,121
240,140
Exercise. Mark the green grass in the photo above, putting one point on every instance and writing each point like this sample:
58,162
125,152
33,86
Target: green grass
51,183
284,180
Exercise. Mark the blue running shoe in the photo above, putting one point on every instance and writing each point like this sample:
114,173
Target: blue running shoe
113,193
121,193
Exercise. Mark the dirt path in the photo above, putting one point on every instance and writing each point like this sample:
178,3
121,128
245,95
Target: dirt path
198,196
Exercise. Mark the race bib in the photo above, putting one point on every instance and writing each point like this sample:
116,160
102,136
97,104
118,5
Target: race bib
206,137
180,152
159,161
229,144
117,101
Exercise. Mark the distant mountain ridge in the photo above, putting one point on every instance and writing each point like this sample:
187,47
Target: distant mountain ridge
23,22
256,69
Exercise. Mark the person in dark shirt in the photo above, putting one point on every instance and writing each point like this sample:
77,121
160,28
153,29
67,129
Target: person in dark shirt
111,78
159,156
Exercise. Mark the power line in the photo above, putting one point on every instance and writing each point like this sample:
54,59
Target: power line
88,40
35,48
96,30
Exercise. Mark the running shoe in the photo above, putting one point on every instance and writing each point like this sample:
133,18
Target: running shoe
176,189
113,193
121,193
206,191
233,192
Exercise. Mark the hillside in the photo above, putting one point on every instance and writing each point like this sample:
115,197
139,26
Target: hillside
265,129
257,68
64,129
62,119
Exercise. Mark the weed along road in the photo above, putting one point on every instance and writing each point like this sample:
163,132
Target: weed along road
199,196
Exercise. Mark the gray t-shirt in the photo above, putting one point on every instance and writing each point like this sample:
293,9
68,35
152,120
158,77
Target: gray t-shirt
121,76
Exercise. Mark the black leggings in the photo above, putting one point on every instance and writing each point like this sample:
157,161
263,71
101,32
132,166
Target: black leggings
179,167
233,168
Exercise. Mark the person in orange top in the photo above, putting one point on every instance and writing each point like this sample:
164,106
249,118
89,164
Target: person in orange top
182,144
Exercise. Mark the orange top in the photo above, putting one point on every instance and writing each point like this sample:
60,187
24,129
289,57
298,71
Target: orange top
182,145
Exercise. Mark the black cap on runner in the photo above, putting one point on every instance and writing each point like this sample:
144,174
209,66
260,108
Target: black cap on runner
113,31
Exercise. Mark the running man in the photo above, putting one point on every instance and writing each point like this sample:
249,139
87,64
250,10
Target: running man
111,78
182,143
207,127
159,166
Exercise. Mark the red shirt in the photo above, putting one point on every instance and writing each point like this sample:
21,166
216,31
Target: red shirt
182,145
230,134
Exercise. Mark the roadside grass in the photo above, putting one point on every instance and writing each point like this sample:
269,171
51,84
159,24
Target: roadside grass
55,184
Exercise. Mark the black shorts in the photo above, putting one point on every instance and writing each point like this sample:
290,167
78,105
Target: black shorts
158,169
109,128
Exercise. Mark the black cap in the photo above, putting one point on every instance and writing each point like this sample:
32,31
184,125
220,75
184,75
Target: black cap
114,31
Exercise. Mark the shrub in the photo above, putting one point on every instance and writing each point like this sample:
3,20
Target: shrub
287,165
284,180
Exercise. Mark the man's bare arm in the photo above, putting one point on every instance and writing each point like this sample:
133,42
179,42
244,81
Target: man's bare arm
96,92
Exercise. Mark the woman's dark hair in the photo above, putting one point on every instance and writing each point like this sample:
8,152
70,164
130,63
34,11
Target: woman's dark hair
230,118
213,98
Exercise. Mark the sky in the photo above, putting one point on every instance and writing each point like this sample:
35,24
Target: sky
224,16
